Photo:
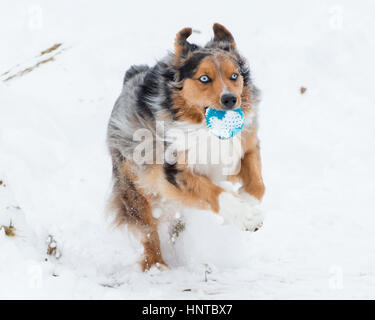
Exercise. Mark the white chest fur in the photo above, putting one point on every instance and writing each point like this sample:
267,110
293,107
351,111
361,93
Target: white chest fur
204,153
215,158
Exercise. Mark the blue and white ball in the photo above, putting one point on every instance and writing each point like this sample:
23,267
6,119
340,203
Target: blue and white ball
224,124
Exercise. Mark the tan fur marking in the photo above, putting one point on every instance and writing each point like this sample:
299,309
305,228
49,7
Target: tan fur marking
246,100
251,168
193,189
193,113
249,140
251,174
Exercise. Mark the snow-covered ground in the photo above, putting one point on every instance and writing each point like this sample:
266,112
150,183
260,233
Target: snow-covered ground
317,148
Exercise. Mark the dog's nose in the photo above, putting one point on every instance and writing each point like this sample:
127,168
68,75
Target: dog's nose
228,100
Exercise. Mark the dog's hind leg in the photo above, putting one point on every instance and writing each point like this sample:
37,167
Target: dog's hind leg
133,207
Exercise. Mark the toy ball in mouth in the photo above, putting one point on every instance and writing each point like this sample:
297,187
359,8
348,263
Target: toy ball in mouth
224,124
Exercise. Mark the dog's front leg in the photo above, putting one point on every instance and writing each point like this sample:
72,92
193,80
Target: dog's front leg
251,174
190,188
245,212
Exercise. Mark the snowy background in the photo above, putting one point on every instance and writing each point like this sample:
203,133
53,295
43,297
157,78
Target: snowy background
317,148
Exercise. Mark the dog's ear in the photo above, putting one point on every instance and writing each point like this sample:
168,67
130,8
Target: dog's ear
221,34
181,45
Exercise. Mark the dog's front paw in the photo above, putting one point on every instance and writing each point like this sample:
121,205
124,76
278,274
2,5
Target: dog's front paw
252,220
243,212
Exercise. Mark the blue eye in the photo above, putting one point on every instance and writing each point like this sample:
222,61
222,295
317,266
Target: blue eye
234,76
204,79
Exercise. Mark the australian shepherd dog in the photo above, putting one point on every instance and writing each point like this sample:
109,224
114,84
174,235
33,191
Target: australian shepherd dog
157,137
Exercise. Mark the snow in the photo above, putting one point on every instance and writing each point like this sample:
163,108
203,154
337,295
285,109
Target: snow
317,152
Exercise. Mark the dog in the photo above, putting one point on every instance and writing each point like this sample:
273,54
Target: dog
176,93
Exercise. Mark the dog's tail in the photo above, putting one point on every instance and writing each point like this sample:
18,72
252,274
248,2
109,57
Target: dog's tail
134,70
